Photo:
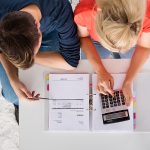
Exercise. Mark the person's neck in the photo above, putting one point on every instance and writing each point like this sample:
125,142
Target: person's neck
34,11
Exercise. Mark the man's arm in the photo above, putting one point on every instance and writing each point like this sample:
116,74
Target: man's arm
140,56
12,73
53,60
69,44
11,70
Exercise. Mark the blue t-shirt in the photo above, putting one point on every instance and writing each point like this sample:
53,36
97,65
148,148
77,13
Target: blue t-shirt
57,16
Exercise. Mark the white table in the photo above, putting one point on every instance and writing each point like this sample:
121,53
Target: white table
34,117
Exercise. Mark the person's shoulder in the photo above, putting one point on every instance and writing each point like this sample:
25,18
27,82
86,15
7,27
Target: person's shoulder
7,6
54,3
15,5
50,6
84,7
146,22
84,13
148,9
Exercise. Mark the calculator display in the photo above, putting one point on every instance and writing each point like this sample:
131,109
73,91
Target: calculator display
115,115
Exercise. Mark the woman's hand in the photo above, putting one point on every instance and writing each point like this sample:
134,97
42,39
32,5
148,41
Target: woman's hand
105,83
126,88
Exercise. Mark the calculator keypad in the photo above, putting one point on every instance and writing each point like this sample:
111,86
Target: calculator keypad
109,102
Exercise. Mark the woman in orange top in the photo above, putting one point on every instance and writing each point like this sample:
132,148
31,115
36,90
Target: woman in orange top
118,29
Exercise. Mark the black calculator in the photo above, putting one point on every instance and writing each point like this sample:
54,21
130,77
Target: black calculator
113,108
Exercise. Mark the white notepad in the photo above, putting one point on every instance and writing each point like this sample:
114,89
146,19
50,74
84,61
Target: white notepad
69,104
68,109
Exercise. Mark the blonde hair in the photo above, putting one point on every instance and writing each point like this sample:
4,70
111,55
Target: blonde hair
119,22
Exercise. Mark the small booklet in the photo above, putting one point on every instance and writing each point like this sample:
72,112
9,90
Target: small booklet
75,104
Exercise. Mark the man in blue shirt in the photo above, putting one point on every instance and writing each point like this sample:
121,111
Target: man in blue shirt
40,31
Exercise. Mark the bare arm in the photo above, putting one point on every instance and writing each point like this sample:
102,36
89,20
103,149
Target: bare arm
52,59
91,54
12,73
105,80
89,49
140,56
138,60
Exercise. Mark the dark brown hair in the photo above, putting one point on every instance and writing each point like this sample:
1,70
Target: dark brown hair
18,38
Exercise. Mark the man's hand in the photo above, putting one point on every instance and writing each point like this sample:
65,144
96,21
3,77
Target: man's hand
105,83
127,92
21,90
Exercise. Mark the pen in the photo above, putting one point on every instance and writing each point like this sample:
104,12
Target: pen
44,98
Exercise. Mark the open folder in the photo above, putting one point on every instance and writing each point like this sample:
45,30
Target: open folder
75,105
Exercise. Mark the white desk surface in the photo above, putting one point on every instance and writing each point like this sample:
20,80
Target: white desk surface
33,130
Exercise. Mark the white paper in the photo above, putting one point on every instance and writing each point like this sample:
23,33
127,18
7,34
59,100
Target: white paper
142,88
69,104
97,121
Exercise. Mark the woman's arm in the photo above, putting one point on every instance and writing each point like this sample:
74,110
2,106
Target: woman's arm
140,56
105,80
